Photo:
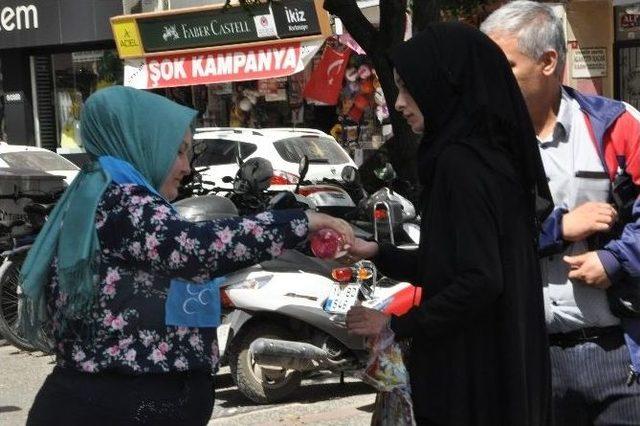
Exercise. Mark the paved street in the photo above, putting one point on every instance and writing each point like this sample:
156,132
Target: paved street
321,401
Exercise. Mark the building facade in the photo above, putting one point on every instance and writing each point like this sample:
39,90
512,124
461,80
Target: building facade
53,55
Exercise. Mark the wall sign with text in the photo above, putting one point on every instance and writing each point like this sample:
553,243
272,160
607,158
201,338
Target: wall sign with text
589,62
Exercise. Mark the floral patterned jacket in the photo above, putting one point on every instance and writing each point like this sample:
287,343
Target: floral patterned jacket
144,244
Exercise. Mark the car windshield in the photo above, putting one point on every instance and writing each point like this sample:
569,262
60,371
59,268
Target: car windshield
221,151
319,150
39,160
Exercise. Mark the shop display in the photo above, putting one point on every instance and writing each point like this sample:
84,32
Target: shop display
273,89
69,104
77,75
361,107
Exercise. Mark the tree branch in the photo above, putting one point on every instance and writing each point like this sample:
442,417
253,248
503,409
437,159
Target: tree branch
424,12
359,27
392,22
377,45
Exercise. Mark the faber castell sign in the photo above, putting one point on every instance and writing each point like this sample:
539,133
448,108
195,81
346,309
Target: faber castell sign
146,34
207,28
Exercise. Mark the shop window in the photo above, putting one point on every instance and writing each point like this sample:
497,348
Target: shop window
222,151
76,76
629,75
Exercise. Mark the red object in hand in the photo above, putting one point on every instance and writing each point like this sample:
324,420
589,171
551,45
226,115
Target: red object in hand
326,244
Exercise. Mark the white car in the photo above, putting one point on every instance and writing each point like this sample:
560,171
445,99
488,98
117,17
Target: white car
31,157
283,147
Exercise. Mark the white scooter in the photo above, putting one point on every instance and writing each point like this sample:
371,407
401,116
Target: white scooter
282,317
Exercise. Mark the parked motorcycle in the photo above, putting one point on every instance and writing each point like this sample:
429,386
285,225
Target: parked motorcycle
386,214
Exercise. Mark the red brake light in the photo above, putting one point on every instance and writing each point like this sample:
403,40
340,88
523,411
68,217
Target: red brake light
342,274
225,300
283,178
380,214
278,180
312,189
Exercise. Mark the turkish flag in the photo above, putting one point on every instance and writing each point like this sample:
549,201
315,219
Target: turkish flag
325,83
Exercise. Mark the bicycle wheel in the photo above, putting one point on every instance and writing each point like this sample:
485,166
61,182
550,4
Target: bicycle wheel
9,302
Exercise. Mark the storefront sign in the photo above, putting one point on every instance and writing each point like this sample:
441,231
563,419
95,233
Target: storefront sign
295,18
127,38
13,97
204,27
86,56
208,28
627,22
31,23
18,18
589,63
217,66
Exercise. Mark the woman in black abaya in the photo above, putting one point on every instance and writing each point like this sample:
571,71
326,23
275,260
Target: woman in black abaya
479,354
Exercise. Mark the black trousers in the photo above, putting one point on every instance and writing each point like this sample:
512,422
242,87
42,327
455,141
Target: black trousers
70,398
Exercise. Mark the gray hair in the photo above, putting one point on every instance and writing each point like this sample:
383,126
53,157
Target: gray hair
536,26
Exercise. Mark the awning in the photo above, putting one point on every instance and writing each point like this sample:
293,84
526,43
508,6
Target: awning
276,59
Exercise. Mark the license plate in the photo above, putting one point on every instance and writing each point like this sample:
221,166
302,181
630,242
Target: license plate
341,298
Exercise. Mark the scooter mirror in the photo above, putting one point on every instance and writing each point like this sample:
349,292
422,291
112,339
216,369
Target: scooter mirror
303,167
386,174
199,148
227,179
349,174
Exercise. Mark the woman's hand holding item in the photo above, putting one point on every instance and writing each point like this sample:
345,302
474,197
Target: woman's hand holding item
318,221
366,322
362,249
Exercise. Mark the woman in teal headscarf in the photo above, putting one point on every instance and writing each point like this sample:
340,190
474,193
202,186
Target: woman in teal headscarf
115,260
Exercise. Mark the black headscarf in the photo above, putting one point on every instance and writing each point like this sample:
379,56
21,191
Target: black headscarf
466,91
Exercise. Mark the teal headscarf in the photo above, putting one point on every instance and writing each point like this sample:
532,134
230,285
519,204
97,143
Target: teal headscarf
138,127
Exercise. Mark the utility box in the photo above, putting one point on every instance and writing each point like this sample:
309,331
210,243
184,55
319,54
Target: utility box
16,182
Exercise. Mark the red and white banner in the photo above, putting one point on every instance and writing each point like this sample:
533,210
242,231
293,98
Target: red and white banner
278,59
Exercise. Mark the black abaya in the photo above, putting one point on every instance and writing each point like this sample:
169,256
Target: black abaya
479,350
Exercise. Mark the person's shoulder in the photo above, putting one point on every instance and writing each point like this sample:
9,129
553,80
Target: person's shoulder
125,194
607,109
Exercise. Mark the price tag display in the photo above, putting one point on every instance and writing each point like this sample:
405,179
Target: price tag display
341,298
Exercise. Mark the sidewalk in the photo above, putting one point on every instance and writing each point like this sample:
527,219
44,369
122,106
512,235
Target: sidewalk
322,401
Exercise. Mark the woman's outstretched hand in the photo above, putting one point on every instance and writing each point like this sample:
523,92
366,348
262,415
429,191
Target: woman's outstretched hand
318,221
361,249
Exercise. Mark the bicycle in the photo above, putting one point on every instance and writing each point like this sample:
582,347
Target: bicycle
16,238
